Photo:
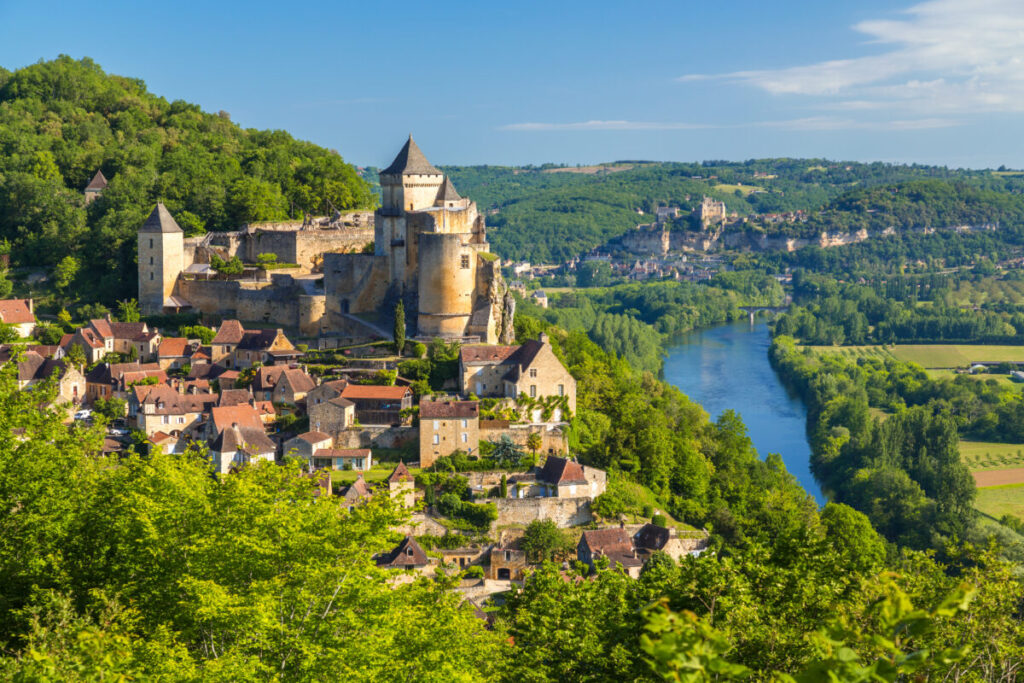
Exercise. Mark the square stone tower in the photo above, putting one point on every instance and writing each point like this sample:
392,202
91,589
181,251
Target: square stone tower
161,259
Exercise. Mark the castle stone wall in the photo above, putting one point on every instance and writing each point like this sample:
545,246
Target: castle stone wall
445,287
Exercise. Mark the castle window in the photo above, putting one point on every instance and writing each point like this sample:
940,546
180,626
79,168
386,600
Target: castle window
465,261
151,243
151,276
150,260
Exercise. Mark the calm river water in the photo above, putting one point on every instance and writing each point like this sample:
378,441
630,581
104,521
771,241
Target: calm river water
727,367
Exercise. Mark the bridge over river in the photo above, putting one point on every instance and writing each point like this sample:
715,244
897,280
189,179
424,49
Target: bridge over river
754,310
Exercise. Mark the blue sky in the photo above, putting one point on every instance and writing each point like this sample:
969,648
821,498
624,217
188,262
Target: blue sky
574,82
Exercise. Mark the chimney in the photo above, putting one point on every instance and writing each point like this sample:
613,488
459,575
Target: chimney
31,306
543,338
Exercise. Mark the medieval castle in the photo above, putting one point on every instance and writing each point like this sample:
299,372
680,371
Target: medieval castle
426,246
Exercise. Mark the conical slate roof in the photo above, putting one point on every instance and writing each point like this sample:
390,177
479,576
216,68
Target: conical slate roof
98,182
160,221
411,161
447,192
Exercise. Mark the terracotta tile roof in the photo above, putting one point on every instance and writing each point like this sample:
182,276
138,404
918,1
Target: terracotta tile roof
486,354
357,392
98,182
246,439
342,453
447,410
299,380
16,311
357,490
172,347
258,340
265,408
341,402
407,553
562,471
129,330
411,161
608,541
313,437
400,474
102,327
230,332
267,377
167,401
241,415
161,437
234,397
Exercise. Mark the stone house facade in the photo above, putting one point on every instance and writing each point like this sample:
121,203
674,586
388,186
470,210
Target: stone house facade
328,411
446,427
531,369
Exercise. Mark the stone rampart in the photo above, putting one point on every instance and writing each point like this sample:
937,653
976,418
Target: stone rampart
376,436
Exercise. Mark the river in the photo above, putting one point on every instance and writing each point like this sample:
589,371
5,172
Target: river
727,367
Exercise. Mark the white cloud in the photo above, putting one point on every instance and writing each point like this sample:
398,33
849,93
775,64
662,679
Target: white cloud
938,56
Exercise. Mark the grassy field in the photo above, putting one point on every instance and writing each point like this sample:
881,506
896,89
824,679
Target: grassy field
931,355
983,455
745,189
997,501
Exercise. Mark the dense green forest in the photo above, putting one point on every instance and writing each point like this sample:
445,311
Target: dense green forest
545,216
897,309
62,120
149,568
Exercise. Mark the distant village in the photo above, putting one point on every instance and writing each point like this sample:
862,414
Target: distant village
326,388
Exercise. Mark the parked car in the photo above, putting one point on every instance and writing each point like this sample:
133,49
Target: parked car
83,414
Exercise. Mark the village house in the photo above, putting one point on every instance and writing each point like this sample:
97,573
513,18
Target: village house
166,442
20,313
328,411
305,445
222,347
102,336
446,427
175,353
114,380
567,478
95,187
282,384
614,544
402,485
34,369
159,408
406,555
531,369
378,405
651,538
239,445
356,493
261,346
506,564
342,459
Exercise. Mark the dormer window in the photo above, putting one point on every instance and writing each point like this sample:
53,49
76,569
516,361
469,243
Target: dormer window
408,551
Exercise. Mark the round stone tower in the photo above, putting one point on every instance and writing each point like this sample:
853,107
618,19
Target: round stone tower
447,277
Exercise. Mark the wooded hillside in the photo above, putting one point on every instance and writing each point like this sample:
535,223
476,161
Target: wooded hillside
62,120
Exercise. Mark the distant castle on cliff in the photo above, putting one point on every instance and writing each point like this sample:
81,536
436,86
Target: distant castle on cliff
429,250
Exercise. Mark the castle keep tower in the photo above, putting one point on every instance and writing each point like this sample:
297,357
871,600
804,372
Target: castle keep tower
410,183
161,260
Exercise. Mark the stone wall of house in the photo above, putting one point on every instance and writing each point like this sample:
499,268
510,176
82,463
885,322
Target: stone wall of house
565,512
374,436
449,436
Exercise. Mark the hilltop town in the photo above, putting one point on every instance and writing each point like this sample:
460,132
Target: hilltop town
457,423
